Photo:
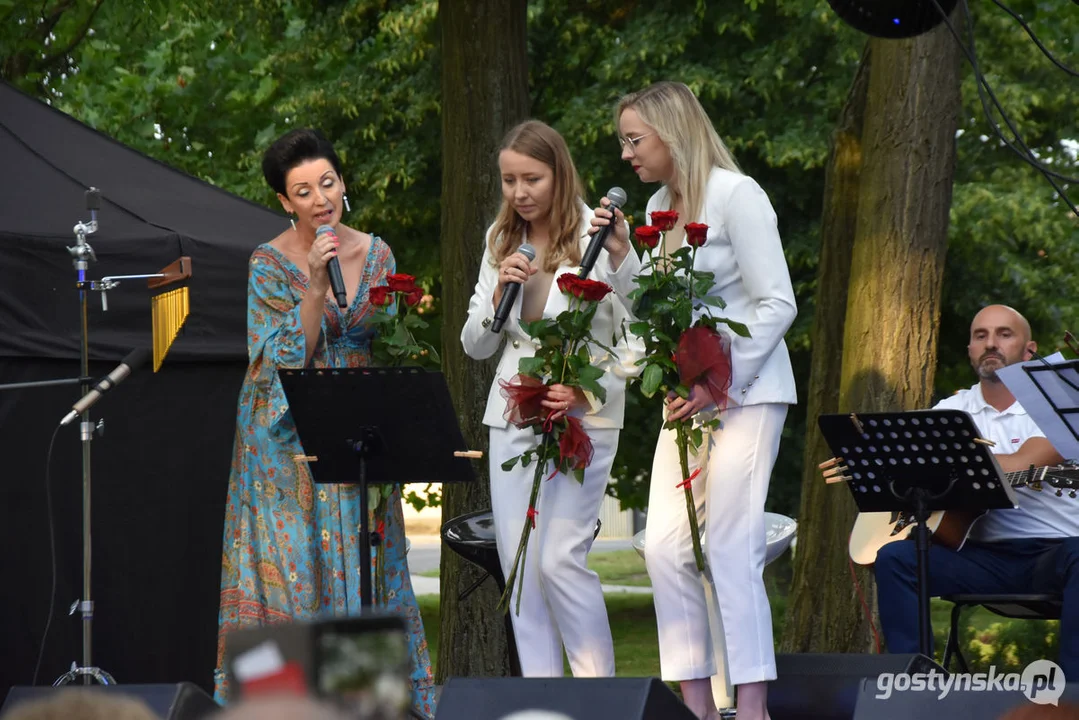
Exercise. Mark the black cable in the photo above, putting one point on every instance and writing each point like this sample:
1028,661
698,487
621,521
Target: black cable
981,82
1026,153
984,88
1045,50
52,553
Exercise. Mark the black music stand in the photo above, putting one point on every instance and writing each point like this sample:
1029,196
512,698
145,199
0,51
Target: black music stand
917,462
376,425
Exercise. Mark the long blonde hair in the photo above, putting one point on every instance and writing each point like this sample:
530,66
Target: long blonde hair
539,141
674,112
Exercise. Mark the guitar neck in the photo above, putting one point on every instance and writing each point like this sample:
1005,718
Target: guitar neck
1020,478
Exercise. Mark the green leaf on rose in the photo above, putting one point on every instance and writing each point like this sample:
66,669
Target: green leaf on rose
684,314
415,322
588,379
533,366
736,327
651,379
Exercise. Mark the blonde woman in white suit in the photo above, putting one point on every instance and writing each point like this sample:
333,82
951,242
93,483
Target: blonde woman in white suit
561,601
667,138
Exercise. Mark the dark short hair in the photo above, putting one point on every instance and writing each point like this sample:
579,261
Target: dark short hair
294,148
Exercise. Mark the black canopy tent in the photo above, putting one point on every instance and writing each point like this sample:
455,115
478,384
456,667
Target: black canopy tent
160,470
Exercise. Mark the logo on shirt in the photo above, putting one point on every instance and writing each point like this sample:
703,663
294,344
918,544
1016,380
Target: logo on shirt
1015,441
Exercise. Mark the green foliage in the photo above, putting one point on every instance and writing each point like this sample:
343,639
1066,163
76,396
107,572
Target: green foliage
37,39
987,640
1012,240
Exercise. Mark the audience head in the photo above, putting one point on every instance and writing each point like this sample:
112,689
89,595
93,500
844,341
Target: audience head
282,707
91,703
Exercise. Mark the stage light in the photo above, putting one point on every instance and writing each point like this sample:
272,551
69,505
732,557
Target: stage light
892,18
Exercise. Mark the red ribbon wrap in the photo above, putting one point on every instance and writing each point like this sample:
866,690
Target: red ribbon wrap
575,444
704,356
523,394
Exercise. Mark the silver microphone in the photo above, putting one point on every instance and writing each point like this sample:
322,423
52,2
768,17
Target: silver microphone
134,360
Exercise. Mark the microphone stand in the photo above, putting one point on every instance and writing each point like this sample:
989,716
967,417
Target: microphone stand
82,254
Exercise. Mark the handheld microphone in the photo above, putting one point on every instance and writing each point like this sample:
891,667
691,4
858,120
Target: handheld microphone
333,267
617,196
134,360
509,295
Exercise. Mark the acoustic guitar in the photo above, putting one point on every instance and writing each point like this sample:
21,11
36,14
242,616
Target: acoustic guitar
950,528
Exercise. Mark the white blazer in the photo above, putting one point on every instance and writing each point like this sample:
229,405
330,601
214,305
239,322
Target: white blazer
745,253
480,343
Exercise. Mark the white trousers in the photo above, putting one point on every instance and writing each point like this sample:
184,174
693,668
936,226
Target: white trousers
562,601
736,461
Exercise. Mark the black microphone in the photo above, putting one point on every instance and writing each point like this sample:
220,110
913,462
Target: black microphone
617,196
333,267
509,295
93,202
134,360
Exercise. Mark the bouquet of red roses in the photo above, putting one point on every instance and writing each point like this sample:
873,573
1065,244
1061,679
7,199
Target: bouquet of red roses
399,305
564,358
681,351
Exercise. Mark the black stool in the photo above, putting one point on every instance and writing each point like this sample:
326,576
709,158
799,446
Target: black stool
1025,607
472,536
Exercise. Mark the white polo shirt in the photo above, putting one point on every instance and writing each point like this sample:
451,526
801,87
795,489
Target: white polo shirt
1040,514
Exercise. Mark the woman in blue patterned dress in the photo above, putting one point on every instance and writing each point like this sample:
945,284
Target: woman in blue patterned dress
291,548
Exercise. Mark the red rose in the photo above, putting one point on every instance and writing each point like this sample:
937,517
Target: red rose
664,219
647,235
696,234
401,283
583,288
380,296
413,297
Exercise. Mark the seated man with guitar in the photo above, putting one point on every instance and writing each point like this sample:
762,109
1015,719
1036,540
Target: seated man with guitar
1032,548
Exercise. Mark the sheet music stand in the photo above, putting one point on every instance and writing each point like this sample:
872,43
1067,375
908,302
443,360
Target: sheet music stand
376,425
917,462
1061,393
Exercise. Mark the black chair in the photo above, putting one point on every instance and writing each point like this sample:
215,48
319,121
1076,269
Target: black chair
472,536
1019,606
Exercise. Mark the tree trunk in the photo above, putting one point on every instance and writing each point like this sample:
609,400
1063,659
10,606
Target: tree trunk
819,613
888,297
484,93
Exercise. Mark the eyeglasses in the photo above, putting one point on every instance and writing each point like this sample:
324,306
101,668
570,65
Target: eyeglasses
633,142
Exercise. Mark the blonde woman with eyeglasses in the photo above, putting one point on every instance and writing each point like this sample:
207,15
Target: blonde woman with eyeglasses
667,138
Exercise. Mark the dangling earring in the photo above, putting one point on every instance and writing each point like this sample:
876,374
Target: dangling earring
347,208
293,221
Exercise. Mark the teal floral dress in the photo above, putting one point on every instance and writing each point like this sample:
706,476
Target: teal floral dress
291,548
